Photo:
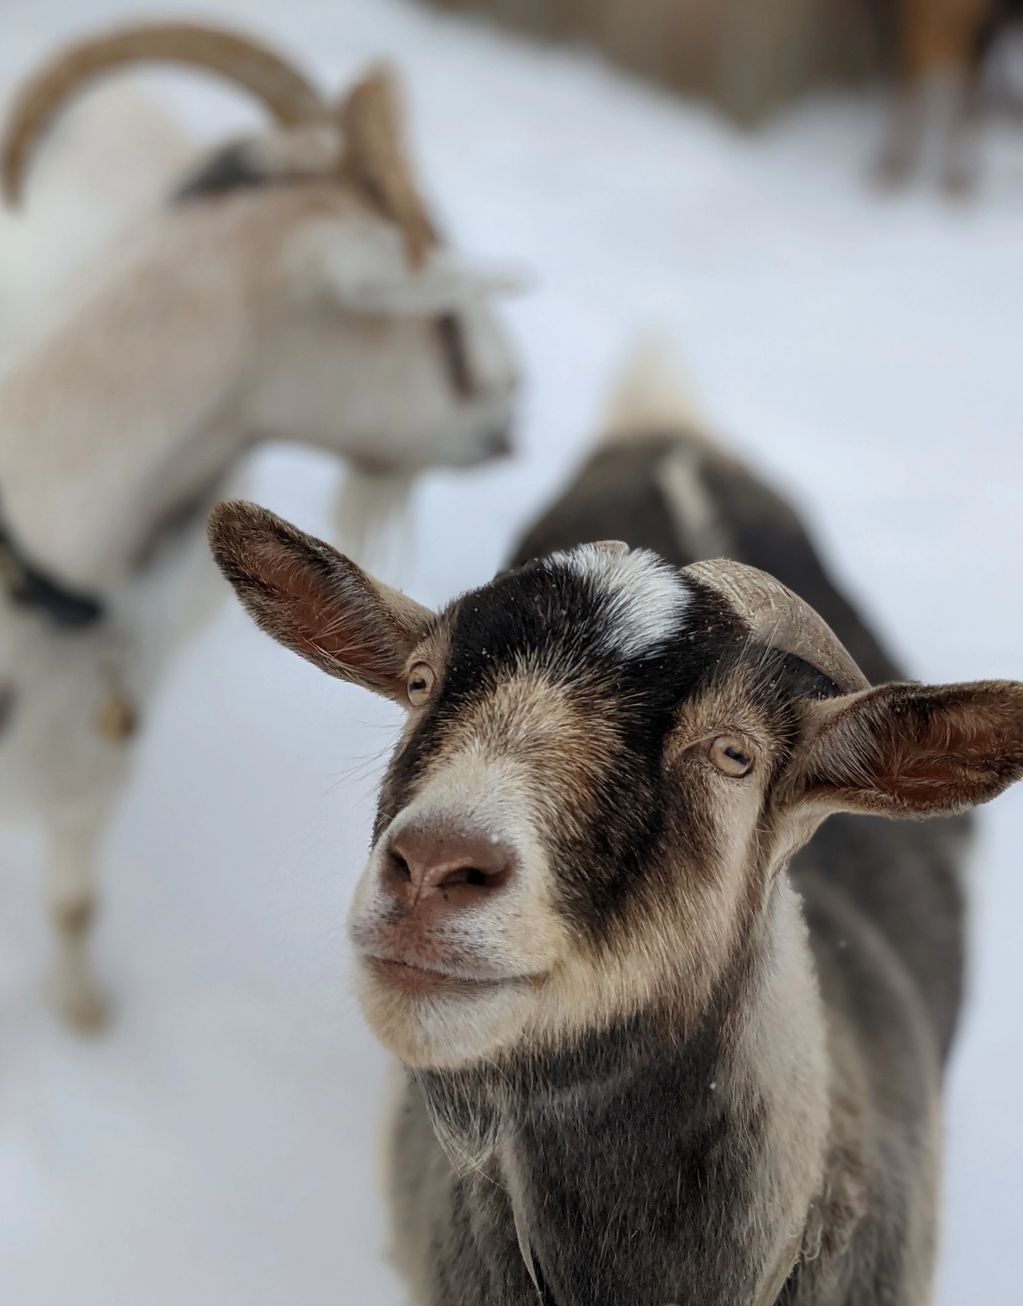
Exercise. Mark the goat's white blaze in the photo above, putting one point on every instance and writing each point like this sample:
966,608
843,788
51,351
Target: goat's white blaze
646,598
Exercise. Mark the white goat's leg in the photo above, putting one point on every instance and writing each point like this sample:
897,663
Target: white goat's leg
71,896
906,130
961,165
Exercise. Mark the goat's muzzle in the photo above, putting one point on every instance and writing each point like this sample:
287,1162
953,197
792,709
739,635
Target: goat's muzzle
434,878
437,871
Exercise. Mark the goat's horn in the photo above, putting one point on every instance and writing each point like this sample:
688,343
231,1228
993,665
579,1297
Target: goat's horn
375,159
290,97
780,619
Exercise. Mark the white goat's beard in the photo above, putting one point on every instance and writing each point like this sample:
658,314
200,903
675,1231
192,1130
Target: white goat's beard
373,519
446,1031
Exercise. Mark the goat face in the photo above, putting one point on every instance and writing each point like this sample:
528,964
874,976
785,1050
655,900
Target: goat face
398,367
606,762
400,363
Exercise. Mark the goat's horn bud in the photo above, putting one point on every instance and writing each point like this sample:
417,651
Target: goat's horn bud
780,619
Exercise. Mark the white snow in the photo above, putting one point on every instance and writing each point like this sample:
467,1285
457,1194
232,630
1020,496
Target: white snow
218,1147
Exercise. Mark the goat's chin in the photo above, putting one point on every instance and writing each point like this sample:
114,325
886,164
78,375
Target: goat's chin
442,1031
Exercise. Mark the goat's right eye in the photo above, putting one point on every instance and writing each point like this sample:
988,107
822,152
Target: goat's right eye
420,683
731,756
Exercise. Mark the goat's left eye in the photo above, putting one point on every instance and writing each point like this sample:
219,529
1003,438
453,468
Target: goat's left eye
419,685
731,756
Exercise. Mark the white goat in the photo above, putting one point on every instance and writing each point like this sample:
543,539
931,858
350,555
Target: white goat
294,288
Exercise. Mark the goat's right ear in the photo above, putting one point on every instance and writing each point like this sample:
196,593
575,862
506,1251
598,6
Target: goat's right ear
913,750
316,601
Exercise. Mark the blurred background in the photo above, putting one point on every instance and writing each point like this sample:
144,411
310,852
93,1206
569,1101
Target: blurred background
701,169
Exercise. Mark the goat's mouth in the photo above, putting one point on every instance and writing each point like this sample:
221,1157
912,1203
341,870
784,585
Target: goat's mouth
426,981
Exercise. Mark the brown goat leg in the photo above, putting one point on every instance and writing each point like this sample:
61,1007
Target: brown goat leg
906,129
960,167
71,899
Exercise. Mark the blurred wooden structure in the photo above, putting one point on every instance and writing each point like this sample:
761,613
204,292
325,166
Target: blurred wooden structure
747,56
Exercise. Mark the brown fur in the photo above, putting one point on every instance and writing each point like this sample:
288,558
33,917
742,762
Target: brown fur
942,33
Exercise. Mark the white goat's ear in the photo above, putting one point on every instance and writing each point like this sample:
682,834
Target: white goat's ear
914,750
314,600
359,262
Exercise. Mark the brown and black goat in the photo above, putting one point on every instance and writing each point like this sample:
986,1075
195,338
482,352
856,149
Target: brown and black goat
660,1048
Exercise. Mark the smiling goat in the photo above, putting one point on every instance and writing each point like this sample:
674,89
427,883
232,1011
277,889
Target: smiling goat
294,288
652,1060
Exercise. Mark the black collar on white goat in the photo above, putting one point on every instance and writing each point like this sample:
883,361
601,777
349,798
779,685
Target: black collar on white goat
29,586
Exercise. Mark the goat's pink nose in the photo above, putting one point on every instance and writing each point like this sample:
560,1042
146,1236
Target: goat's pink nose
444,868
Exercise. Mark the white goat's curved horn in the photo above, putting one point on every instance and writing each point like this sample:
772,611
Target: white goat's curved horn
780,618
375,160
290,97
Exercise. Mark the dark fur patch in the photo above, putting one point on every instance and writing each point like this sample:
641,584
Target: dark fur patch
29,586
615,496
8,701
232,168
613,1214
455,352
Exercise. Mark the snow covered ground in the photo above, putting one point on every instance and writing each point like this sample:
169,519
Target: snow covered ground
218,1147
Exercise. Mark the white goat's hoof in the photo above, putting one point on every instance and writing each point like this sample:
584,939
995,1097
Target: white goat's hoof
81,1004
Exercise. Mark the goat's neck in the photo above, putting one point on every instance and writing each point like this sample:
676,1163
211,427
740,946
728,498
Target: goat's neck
646,1166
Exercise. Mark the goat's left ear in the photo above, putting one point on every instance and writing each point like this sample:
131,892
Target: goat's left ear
913,750
314,600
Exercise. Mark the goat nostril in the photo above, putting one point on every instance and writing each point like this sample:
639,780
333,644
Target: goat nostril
398,868
456,869
472,877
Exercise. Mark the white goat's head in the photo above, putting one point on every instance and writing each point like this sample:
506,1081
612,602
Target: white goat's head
341,317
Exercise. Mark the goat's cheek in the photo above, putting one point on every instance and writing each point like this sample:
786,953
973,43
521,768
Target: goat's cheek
735,808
